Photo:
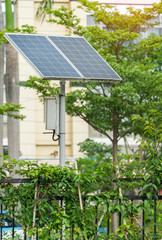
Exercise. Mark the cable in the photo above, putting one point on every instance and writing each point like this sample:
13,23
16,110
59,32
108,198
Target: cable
53,136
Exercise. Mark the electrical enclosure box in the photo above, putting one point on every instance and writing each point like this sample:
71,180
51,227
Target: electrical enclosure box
52,113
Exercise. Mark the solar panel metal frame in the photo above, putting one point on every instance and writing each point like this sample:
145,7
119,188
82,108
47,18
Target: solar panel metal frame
81,78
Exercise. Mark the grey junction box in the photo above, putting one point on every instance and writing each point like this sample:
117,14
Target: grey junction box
52,113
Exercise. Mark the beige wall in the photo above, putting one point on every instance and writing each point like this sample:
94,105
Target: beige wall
133,2
33,143
24,12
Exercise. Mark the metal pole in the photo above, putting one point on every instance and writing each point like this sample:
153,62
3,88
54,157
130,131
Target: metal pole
62,124
62,137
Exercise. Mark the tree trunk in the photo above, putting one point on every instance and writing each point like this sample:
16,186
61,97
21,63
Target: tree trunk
12,89
1,79
114,220
115,147
12,96
9,15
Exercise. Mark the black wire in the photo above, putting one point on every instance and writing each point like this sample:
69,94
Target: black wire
53,136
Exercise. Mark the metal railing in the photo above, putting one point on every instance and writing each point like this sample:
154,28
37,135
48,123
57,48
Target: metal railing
131,198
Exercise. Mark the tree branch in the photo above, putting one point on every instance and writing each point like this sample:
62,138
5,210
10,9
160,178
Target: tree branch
95,127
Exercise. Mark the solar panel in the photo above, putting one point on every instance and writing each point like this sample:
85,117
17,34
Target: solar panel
85,58
43,56
54,57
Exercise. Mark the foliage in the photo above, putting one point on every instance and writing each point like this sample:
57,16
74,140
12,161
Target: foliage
152,125
122,28
18,235
65,17
114,20
94,149
151,144
109,106
98,156
44,4
11,110
24,29
48,184
43,88
147,52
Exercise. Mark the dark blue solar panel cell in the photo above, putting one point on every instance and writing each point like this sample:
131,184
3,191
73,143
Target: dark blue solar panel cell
82,55
43,56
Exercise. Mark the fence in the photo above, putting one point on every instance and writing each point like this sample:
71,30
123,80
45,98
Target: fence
132,199
13,225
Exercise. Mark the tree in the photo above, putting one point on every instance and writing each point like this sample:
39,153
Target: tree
41,11
114,103
11,83
148,53
110,106
12,88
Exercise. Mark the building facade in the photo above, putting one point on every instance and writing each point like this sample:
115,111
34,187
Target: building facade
33,143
